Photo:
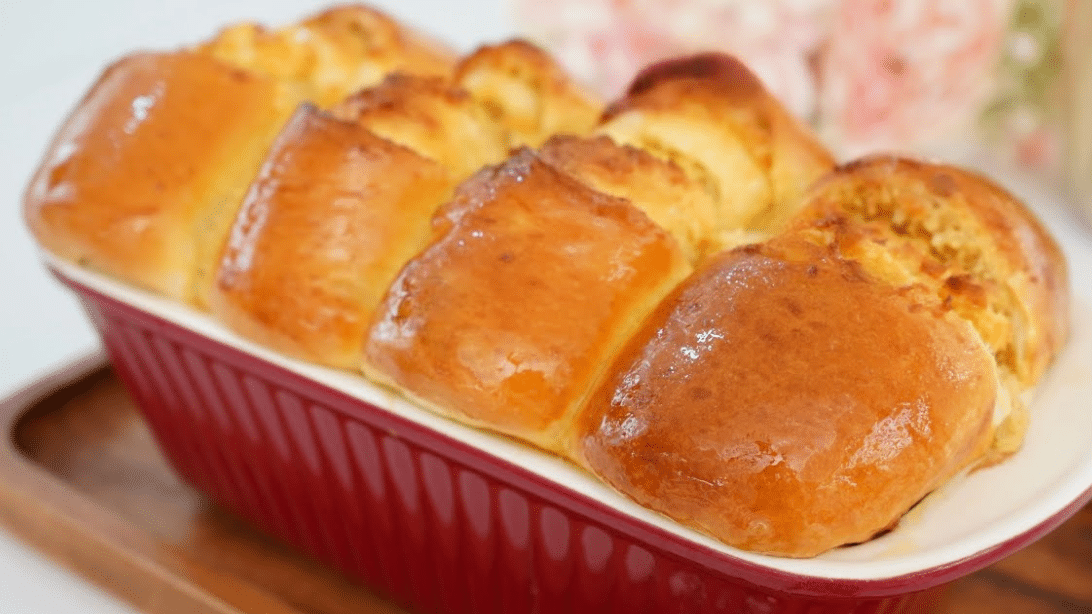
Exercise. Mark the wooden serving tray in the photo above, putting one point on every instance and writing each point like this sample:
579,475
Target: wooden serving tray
82,480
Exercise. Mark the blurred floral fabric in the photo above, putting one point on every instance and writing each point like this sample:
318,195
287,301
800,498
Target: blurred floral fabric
954,79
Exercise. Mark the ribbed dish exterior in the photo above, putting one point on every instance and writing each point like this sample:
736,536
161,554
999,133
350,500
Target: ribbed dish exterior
427,520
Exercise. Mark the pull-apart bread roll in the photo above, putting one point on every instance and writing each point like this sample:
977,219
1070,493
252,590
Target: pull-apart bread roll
343,201
967,241
710,116
785,401
524,88
145,177
856,362
531,284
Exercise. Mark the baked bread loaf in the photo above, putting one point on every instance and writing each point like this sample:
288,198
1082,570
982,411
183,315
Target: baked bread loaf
145,177
661,293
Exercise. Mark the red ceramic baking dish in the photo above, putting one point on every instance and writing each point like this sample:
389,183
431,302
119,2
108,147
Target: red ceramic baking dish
447,518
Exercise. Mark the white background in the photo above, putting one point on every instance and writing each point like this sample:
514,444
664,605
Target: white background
49,53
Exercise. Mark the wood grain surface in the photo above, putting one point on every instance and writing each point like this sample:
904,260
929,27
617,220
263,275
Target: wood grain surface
81,479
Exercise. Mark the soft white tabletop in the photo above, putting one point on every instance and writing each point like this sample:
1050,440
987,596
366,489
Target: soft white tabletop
51,51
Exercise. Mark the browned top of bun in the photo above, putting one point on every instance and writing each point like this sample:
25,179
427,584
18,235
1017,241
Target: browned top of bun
532,282
691,78
366,32
713,117
683,206
526,89
334,52
147,171
333,215
986,253
784,401
432,117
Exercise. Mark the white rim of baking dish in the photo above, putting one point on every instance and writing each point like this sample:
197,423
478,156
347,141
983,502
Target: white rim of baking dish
969,518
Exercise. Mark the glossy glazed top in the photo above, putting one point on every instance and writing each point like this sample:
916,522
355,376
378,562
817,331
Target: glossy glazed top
785,402
146,174
532,282
334,214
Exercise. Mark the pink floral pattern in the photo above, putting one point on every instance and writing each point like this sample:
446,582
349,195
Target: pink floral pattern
913,75
901,73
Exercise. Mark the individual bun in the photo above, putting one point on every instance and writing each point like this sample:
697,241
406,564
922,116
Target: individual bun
333,53
786,402
333,215
523,87
531,283
144,177
713,118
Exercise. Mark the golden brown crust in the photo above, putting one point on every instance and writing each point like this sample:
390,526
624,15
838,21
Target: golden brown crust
333,215
784,401
334,53
145,175
983,251
431,117
523,87
968,242
364,31
658,187
531,283
712,116
665,84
